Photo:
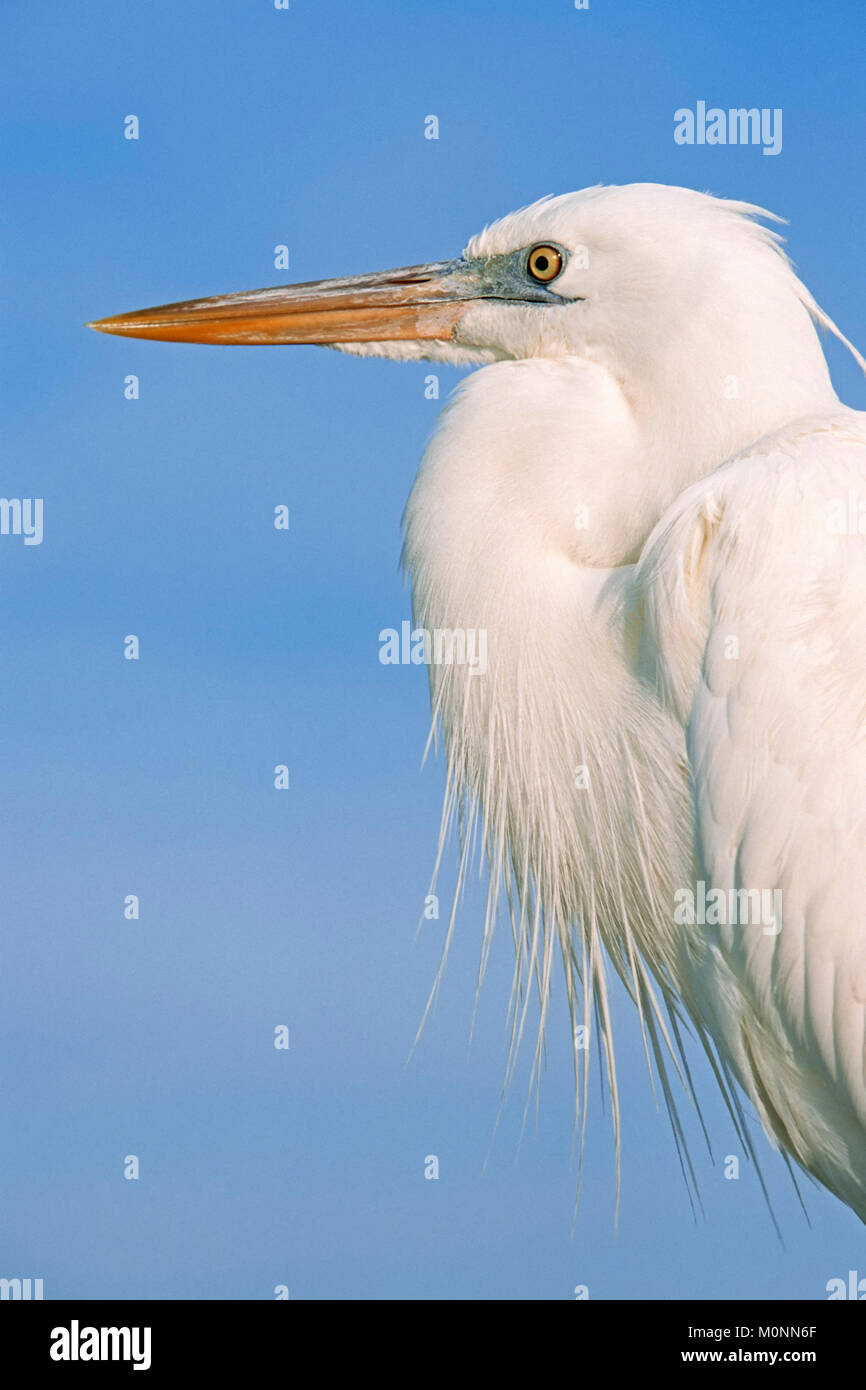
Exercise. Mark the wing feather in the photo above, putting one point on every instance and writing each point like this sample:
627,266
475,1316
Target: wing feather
754,594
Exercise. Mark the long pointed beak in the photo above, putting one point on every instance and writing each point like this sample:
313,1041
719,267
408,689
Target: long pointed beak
418,302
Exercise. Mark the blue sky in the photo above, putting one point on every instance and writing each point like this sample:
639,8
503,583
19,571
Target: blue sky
155,1037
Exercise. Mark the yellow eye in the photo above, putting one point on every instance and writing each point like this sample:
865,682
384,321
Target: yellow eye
544,263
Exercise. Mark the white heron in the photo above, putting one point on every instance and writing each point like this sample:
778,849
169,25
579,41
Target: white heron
652,501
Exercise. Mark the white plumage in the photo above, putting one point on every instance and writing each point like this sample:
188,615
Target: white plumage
777,756
739,764
648,497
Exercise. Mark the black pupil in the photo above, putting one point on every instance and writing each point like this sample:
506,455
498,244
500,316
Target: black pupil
541,263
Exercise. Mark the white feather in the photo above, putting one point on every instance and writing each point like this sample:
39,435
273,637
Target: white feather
643,474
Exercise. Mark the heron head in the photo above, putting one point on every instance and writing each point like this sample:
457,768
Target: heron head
418,311
655,283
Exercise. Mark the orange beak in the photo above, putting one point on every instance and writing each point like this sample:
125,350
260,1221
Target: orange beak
420,302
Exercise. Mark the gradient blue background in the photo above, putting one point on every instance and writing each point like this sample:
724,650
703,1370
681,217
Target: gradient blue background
154,777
